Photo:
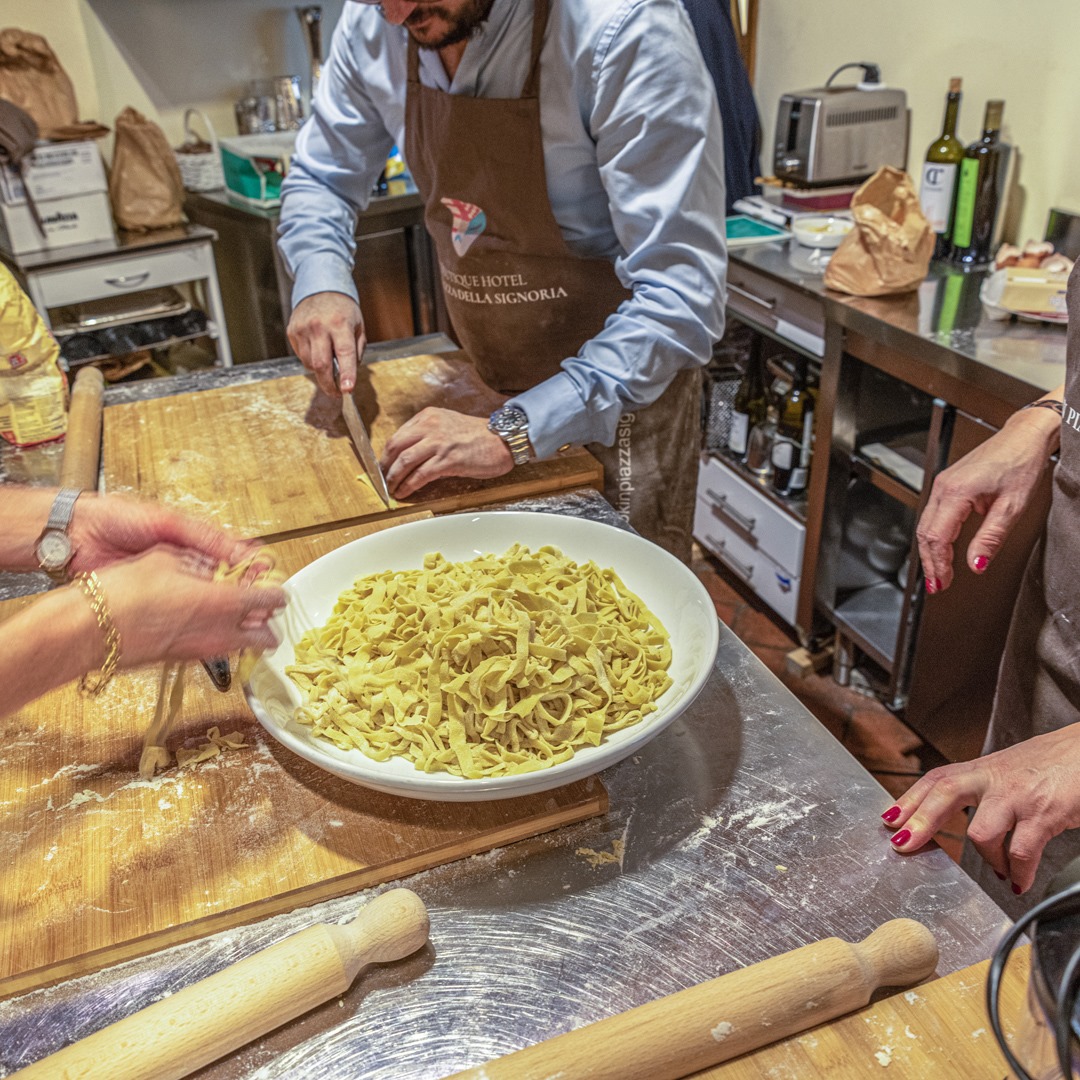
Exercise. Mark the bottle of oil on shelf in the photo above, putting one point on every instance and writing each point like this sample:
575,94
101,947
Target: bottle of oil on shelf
748,408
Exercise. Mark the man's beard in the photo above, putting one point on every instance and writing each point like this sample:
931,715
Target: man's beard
462,26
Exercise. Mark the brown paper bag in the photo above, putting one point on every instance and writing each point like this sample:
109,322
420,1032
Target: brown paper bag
32,77
889,249
144,182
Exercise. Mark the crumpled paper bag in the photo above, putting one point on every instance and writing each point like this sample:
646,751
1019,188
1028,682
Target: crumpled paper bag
145,187
890,248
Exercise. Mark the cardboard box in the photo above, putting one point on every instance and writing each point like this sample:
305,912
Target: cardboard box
68,184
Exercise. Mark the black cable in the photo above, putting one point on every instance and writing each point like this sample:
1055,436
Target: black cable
871,72
997,969
1066,1003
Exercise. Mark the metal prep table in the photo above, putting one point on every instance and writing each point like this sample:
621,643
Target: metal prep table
748,831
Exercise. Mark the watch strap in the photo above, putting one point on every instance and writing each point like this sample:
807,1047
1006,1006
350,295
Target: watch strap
63,509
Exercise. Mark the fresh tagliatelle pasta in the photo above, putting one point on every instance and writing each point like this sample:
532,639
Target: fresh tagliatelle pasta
496,666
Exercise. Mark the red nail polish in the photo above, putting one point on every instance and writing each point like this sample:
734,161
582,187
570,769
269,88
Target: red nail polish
1017,890
931,585
980,562
902,837
891,814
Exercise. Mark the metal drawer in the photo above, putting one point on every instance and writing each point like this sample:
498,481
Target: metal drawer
772,582
785,311
751,514
126,273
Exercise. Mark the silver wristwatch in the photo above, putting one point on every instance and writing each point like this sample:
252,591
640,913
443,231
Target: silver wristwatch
53,548
512,426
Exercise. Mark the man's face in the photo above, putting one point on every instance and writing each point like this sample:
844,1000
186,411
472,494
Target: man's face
435,24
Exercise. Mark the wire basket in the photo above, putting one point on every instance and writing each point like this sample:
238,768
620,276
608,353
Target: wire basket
199,160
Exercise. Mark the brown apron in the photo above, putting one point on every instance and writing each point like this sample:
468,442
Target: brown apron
1038,687
521,301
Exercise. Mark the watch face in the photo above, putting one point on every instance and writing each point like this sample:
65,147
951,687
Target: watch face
53,550
509,420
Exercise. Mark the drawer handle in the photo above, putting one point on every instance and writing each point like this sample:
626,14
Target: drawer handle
743,570
127,281
722,505
768,305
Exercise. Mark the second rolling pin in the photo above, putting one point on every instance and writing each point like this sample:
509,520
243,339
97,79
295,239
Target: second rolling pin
678,1035
82,444
197,1025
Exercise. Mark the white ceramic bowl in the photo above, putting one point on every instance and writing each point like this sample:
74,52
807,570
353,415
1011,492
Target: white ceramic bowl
667,587
821,230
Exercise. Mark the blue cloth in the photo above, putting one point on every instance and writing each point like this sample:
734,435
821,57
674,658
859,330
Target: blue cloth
633,154
715,33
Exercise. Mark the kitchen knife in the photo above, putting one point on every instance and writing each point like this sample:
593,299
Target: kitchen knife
360,439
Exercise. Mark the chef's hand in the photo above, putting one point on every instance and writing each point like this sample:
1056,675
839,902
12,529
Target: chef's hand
324,325
107,528
166,606
997,480
1028,790
437,443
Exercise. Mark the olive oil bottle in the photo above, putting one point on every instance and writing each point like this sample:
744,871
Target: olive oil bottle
748,408
940,171
979,193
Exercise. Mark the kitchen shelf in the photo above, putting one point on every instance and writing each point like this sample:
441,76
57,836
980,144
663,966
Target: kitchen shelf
884,482
210,332
871,619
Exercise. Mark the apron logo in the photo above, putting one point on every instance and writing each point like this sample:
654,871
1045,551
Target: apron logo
469,223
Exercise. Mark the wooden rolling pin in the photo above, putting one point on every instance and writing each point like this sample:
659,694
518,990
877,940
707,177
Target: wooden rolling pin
82,444
197,1025
682,1033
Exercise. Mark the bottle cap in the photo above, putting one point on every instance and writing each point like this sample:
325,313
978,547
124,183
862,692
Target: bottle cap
954,85
994,111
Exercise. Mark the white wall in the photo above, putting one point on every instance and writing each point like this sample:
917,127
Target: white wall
1023,52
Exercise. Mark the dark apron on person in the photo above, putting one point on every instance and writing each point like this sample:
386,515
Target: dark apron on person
1038,687
521,301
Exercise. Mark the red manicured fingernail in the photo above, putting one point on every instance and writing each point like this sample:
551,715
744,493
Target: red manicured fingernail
1017,890
931,585
891,814
980,562
902,837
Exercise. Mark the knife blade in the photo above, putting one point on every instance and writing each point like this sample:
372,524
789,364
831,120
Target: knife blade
360,439
217,667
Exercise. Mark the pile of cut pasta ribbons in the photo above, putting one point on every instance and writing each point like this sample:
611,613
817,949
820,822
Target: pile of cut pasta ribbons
496,666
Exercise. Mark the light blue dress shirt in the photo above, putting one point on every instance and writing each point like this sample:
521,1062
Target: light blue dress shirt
633,158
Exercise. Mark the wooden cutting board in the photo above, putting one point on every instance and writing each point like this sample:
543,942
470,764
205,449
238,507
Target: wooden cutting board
270,459
100,866
936,1030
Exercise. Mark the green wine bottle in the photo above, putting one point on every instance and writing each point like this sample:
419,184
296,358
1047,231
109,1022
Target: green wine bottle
943,159
979,194
750,402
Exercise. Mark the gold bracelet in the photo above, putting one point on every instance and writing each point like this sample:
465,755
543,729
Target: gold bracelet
95,596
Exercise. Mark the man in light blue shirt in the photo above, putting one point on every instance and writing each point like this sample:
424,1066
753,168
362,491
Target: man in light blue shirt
592,181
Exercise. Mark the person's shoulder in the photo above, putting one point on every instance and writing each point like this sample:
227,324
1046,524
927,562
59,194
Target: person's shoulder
594,24
362,30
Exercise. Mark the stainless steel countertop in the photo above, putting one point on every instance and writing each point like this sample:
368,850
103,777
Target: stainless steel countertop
942,323
748,831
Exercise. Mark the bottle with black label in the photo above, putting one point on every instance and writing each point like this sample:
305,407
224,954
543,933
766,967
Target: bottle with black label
979,193
940,170
750,402
791,452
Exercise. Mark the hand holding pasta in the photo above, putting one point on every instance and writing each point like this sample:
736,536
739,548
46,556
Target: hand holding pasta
492,667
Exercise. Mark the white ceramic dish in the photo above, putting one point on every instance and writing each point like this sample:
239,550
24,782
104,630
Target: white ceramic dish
821,230
665,585
990,293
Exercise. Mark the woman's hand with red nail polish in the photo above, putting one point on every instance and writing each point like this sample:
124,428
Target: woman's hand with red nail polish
1023,797
997,480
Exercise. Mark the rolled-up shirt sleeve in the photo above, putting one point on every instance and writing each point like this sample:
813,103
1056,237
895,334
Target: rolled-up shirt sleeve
339,155
659,145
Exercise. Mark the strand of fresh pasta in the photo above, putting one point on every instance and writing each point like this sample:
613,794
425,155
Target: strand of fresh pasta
492,667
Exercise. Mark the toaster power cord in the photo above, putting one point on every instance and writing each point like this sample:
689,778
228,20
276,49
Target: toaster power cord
871,73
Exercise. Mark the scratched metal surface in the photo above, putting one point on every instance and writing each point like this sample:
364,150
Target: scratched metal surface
748,830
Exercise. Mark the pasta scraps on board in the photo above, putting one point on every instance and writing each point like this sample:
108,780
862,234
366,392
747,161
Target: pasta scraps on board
500,665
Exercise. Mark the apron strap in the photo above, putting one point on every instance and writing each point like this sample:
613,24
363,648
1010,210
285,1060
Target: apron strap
414,61
541,9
